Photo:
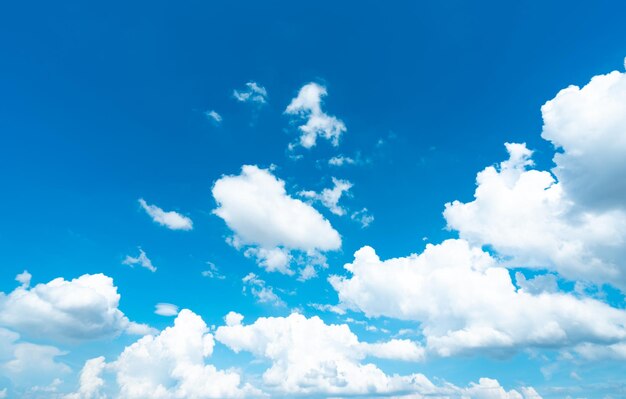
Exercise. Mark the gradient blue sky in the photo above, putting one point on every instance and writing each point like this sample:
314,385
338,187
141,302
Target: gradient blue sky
104,103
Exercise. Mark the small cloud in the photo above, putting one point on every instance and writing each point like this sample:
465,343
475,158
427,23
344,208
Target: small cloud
340,160
172,220
262,292
329,197
213,116
141,260
24,278
363,217
166,309
307,105
328,308
212,272
233,319
253,93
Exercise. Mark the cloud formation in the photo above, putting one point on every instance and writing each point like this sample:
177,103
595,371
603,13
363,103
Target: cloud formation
329,197
307,105
464,301
82,309
270,225
170,219
253,93
262,292
141,260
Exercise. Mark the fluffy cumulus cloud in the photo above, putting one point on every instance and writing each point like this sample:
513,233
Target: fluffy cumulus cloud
141,260
85,308
329,197
253,93
589,125
527,217
307,105
90,380
173,365
465,301
170,219
309,357
270,225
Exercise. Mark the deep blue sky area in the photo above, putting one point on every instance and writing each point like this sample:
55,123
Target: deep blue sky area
103,103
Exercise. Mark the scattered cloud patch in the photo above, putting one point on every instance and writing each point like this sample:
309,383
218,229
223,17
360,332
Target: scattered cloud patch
307,105
166,309
253,93
212,272
24,278
363,217
172,220
141,260
270,225
213,116
341,160
329,197
262,292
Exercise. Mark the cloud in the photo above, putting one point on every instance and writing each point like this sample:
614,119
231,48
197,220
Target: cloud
329,197
24,278
262,292
587,124
172,365
212,272
465,301
213,116
270,225
253,93
308,356
526,216
28,365
82,309
341,160
141,260
172,220
166,309
307,105
90,380
363,217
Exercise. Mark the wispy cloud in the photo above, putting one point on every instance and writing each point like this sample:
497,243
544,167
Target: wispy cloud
253,93
141,260
170,219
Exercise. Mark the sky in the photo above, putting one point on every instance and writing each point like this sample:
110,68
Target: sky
313,199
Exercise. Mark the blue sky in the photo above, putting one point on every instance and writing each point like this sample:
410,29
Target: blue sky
523,282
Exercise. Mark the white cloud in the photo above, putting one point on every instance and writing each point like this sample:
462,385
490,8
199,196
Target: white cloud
253,93
308,105
24,278
341,160
141,260
588,124
269,224
172,220
262,292
213,116
212,272
166,309
526,216
90,380
363,217
172,365
84,308
308,356
233,319
329,197
29,365
465,301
